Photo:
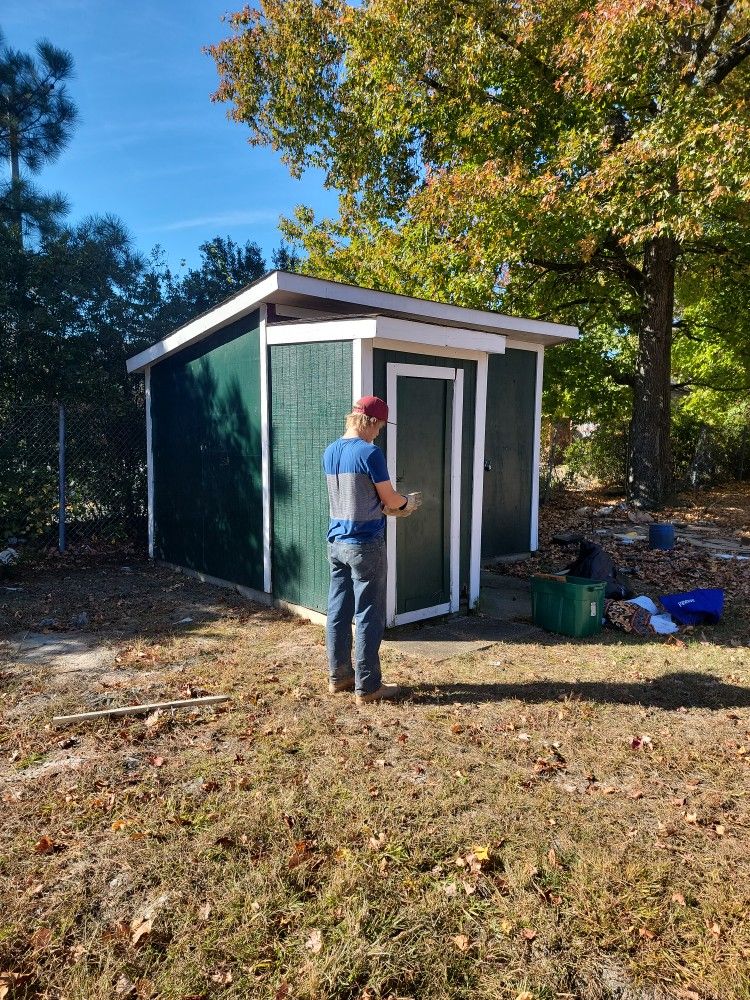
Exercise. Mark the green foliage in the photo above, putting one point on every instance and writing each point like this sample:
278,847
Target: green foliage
712,447
577,161
225,268
600,458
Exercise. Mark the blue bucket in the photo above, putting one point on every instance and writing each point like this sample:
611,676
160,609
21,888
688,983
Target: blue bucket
661,536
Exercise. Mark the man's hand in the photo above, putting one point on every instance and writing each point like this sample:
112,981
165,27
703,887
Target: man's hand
413,502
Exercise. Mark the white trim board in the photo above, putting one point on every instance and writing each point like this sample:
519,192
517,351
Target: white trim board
265,450
477,490
281,286
409,347
534,527
455,375
149,465
321,330
388,328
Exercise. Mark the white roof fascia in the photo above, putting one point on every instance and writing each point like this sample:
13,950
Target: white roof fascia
301,284
324,329
229,311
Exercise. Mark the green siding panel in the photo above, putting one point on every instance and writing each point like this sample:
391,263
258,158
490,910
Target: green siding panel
380,360
205,408
509,450
311,393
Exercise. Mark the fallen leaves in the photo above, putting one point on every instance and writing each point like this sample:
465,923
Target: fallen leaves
46,845
461,941
303,852
642,742
41,938
140,927
314,942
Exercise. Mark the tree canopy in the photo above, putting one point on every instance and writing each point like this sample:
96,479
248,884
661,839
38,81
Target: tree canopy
581,160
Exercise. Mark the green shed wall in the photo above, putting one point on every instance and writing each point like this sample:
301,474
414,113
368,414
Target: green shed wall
509,449
206,440
311,392
382,358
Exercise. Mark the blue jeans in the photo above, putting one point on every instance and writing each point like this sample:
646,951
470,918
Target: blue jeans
358,589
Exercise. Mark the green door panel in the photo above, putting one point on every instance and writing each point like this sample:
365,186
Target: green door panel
310,393
509,453
205,412
380,359
423,453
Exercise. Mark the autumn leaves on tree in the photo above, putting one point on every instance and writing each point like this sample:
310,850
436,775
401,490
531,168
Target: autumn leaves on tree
578,160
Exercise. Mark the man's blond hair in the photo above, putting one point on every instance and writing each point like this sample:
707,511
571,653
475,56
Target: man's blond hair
361,422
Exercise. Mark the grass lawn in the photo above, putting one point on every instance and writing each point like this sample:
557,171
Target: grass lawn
566,819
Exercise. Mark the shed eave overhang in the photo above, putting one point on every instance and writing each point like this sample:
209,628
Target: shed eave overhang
298,290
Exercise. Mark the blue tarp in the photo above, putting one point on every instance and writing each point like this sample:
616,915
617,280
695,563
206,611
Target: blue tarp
695,607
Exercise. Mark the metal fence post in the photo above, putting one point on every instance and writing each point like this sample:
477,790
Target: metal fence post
61,484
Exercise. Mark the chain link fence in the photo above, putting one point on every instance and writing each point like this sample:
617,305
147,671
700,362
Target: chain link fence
72,478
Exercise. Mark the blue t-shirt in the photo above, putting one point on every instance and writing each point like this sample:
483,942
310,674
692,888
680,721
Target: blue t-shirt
352,467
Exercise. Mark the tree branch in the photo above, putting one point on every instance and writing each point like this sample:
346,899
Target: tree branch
707,385
705,40
729,61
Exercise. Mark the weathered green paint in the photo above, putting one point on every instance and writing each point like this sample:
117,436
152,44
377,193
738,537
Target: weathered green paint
311,392
423,449
205,410
509,451
380,360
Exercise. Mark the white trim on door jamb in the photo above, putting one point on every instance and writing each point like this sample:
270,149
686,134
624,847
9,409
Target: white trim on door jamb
393,371
456,436
534,533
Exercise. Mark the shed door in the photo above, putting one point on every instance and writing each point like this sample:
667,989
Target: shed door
424,453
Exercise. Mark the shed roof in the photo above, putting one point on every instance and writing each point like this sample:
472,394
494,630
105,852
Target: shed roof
282,288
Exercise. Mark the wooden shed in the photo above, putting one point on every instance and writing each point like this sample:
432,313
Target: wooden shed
242,401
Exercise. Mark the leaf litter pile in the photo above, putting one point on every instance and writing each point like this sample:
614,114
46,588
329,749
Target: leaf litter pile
712,547
537,820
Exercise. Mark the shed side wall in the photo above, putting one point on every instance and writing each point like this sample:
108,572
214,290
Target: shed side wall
509,450
310,394
205,406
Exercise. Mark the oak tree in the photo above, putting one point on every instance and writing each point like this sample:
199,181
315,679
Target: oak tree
574,158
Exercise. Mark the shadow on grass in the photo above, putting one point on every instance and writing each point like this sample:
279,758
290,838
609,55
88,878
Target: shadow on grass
670,691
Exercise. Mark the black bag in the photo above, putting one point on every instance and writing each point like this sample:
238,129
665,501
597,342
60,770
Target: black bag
593,563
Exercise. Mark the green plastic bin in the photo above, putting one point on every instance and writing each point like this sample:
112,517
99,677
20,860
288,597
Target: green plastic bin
569,605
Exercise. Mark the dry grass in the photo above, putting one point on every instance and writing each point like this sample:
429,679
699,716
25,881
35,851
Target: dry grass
567,820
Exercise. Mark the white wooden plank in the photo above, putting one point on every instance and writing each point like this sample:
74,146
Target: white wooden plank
455,539
480,417
265,450
534,539
417,616
149,465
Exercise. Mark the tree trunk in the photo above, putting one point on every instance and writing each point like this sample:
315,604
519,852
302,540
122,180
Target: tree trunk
650,451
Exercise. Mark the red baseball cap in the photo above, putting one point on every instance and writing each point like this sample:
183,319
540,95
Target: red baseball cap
372,406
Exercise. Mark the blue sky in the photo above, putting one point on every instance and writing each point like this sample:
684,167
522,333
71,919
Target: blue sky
150,146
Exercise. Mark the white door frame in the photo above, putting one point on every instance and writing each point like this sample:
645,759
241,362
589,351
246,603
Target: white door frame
456,376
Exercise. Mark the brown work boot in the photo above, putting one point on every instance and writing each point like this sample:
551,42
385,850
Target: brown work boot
384,692
336,687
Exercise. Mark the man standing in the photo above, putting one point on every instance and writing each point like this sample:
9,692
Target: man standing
360,495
